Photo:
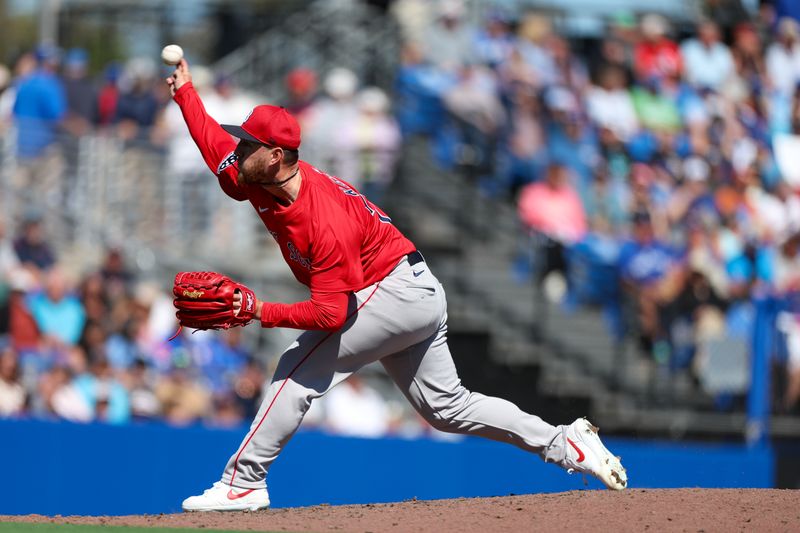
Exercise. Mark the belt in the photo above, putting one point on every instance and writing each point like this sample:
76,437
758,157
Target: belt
415,257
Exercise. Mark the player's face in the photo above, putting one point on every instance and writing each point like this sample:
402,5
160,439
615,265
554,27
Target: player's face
255,163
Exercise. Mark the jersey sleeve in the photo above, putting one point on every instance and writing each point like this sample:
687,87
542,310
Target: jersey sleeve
327,312
214,143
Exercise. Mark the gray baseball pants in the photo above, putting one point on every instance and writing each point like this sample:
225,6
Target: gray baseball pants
401,322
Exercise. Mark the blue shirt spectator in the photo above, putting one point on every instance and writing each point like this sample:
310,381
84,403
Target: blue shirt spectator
39,107
223,358
58,313
106,396
644,260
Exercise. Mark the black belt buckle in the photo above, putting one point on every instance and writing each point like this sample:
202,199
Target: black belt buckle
415,257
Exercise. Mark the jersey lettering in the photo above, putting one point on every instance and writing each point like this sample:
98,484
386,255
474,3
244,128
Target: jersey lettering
294,255
349,191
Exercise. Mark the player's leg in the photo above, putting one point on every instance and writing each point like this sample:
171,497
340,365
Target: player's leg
427,375
379,325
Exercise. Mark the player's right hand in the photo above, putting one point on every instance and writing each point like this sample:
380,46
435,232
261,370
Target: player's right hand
180,77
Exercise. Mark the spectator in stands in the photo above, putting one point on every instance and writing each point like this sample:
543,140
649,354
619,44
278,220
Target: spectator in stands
727,13
9,261
7,97
7,266
183,401
121,346
225,412
94,341
374,136
656,55
92,294
608,201
24,335
534,31
570,71
553,210
57,396
140,381
707,60
355,409
39,109
654,109
645,264
40,105
115,275
616,47
324,120
107,399
609,104
524,153
226,101
108,95
137,106
13,396
783,57
748,60
59,314
301,88
692,201
569,141
493,44
786,282
247,388
447,43
80,93
475,107
31,246
221,359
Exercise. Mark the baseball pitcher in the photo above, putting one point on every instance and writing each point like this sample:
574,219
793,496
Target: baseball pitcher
372,298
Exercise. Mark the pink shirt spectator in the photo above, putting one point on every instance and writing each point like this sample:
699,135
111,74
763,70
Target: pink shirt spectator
554,208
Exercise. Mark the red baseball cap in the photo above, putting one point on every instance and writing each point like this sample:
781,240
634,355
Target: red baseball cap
268,124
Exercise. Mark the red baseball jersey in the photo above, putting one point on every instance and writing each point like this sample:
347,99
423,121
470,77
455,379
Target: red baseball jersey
334,240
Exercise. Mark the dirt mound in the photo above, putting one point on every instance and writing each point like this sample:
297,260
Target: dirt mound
633,510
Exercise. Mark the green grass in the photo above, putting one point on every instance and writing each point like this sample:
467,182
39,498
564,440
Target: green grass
9,527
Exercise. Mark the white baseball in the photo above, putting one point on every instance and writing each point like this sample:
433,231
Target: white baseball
172,54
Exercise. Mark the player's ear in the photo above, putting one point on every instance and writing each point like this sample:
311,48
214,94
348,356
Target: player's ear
278,155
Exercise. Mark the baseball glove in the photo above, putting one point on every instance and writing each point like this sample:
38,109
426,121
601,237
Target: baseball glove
204,300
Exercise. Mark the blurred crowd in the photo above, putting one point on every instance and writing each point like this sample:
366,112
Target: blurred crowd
654,169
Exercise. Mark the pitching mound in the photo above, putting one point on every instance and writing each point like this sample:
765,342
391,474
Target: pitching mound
632,510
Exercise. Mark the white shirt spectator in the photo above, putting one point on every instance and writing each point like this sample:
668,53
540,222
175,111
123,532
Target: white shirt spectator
448,42
783,57
12,393
706,65
371,140
612,109
69,404
357,410
9,262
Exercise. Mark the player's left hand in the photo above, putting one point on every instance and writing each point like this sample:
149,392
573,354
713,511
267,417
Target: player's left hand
209,300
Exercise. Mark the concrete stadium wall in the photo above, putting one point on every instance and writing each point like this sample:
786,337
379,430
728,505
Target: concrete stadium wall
61,468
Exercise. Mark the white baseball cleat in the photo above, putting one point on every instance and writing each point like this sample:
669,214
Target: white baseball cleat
586,454
221,497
